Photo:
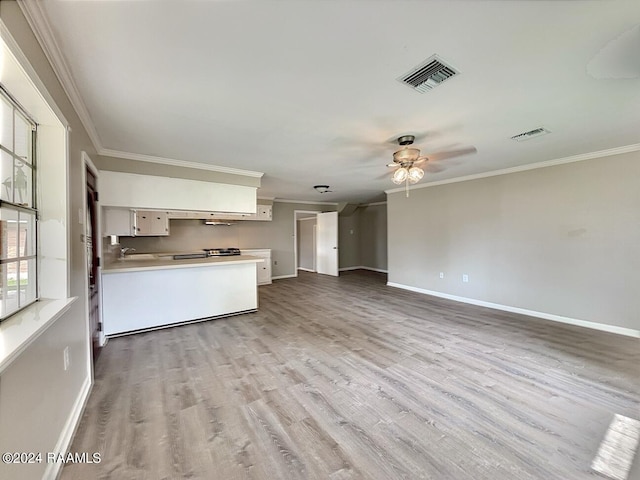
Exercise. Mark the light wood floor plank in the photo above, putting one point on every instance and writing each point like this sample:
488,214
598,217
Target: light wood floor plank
346,378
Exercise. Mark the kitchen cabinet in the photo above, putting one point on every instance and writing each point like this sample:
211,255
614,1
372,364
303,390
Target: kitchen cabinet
150,192
264,212
264,269
135,223
148,223
117,221
138,298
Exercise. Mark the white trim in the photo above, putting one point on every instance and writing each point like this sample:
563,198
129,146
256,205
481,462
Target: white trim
523,168
374,204
88,164
37,20
280,277
306,218
32,77
362,267
304,202
107,152
523,311
307,269
69,430
25,326
295,238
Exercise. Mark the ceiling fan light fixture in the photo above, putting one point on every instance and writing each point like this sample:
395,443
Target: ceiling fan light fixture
415,174
406,154
400,175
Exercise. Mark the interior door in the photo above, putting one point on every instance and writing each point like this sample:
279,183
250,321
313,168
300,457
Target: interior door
327,243
92,240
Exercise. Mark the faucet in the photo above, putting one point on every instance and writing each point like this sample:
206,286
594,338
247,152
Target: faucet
124,251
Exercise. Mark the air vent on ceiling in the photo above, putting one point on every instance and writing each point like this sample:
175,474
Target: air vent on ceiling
429,74
537,132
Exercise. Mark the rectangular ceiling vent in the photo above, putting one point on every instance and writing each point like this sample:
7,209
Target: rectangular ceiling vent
536,132
429,74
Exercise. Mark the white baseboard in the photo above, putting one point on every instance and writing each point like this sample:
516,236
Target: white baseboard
362,267
283,276
66,436
523,311
306,269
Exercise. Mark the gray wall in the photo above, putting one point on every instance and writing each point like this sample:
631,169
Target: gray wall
278,235
363,238
37,394
562,240
349,240
306,252
373,236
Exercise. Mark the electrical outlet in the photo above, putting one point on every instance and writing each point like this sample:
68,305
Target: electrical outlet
441,274
66,358
465,278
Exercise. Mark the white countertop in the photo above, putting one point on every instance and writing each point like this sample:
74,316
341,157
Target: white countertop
164,262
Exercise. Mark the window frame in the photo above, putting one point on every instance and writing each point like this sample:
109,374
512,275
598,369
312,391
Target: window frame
20,208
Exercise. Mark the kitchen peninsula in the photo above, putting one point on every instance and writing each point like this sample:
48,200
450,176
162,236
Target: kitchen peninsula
153,291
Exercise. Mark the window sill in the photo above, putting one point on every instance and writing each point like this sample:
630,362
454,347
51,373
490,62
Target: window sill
21,329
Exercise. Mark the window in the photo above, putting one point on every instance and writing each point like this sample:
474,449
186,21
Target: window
17,207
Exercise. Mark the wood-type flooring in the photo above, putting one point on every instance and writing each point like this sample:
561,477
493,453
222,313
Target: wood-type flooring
346,378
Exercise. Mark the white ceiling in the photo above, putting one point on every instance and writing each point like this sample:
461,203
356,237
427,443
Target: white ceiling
306,91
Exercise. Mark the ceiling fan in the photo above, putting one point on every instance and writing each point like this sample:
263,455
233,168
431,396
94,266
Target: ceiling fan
409,164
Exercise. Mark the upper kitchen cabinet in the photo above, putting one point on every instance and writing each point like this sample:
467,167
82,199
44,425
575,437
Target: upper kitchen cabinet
135,223
150,223
132,190
264,212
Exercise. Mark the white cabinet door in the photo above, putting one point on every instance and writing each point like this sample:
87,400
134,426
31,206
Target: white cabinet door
263,268
117,221
327,243
264,213
148,223
264,272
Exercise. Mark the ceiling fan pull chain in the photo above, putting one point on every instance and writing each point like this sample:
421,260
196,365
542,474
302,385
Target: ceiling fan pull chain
406,186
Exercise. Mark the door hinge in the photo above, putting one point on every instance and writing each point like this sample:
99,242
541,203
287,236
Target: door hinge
95,196
99,326
98,262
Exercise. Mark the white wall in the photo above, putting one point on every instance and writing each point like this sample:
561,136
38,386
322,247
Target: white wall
562,240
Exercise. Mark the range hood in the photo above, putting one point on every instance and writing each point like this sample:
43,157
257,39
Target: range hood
216,222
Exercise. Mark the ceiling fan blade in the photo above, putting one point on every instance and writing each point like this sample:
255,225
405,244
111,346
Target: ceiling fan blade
433,168
444,155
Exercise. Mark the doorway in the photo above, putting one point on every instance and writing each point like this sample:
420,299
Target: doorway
92,243
316,242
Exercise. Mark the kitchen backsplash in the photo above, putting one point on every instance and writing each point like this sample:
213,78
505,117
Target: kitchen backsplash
185,236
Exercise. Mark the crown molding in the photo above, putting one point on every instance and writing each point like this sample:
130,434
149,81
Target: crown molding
374,204
37,20
523,168
178,163
304,202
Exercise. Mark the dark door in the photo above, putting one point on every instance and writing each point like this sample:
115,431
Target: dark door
92,240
